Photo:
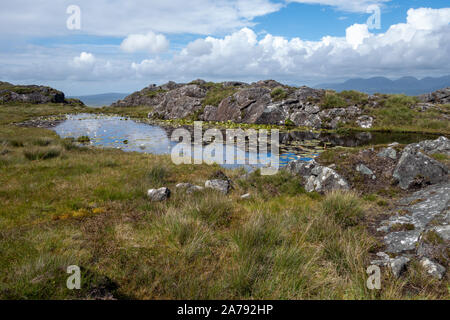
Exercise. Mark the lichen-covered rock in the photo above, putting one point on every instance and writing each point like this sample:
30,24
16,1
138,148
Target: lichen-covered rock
439,97
318,178
398,265
365,122
305,119
417,169
181,102
325,179
388,152
364,170
157,195
433,268
440,145
219,185
31,94
188,187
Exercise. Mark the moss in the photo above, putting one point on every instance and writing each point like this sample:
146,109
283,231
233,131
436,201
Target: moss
83,139
333,100
278,94
402,227
216,93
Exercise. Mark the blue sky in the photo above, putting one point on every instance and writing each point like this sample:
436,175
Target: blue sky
124,47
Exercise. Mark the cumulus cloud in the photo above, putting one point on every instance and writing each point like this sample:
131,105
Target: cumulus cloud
150,42
84,59
419,47
421,44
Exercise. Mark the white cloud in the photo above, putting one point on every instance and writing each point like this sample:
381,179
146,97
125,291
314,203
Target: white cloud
84,59
419,47
150,42
345,5
122,18
356,34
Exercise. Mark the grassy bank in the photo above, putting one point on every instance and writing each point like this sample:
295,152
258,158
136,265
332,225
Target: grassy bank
63,205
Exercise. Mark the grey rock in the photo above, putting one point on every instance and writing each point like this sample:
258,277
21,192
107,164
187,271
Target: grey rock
157,195
189,188
219,185
325,179
398,265
318,178
305,119
440,145
439,97
364,170
443,231
388,153
365,122
401,241
433,268
414,165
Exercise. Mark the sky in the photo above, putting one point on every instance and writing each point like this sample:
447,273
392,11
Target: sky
88,47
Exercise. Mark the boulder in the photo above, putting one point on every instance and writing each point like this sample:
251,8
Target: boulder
365,122
433,268
305,119
388,153
439,97
219,185
398,265
157,195
417,169
325,179
364,170
189,188
181,102
318,178
440,145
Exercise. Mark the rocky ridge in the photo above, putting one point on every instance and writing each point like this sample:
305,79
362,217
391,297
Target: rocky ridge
33,94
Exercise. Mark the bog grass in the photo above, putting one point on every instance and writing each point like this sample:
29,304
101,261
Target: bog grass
88,207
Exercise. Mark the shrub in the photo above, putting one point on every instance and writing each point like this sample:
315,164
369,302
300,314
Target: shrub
216,94
84,139
43,142
332,100
344,207
42,153
278,94
354,97
157,176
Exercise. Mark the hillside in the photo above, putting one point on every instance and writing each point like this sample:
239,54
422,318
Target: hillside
32,94
272,103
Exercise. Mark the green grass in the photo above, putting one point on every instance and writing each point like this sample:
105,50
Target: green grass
216,93
278,94
88,207
333,100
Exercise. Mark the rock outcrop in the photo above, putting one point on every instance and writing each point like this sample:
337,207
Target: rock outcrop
316,177
416,169
438,97
262,102
32,94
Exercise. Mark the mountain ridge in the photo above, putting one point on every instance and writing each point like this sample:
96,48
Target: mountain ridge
404,85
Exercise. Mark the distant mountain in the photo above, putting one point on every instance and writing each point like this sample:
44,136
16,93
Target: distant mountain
406,85
100,100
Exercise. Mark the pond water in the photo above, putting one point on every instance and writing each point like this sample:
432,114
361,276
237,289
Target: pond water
133,136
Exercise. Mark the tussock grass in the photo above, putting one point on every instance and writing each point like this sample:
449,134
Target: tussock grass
89,208
42,153
345,207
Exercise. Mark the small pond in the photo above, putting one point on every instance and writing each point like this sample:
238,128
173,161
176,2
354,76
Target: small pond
130,135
